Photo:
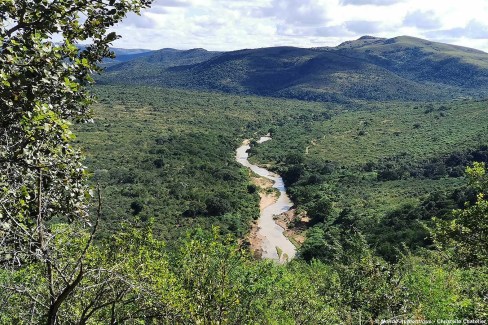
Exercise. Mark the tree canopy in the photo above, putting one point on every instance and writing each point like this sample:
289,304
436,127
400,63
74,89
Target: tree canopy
44,74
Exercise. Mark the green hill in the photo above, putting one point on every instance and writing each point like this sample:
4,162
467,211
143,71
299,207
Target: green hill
149,64
169,154
401,68
423,61
124,55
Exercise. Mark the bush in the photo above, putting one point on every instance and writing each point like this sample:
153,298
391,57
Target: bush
195,208
136,207
217,206
251,188
320,210
388,175
158,163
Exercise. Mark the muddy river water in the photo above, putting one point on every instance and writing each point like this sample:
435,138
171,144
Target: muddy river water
273,239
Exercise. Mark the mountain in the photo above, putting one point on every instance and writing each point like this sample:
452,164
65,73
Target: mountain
370,68
422,60
121,55
153,63
124,55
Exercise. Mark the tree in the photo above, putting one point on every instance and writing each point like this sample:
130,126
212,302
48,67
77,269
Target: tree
126,278
220,285
320,210
315,246
292,174
465,234
43,89
217,206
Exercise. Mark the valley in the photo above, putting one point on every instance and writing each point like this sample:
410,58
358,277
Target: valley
368,181
343,184
272,242
168,157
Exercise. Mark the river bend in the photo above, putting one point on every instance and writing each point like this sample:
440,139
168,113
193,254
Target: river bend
273,239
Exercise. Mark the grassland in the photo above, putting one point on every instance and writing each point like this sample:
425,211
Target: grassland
411,133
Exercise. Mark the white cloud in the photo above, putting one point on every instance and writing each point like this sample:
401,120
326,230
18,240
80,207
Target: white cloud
370,2
236,24
296,12
362,27
473,30
422,19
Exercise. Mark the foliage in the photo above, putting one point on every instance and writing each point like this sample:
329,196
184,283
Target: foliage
198,130
124,279
42,178
166,160
425,167
465,233
320,210
174,153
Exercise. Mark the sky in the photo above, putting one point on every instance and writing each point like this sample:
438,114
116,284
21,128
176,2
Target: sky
225,25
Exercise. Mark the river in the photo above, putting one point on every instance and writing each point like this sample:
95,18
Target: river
272,235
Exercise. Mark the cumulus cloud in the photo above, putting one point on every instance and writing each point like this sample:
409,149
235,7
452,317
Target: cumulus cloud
174,3
142,21
370,2
296,12
235,24
165,6
332,31
474,30
363,27
422,20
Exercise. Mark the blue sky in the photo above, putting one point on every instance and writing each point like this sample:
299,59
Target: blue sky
237,24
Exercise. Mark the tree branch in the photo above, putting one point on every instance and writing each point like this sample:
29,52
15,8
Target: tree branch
53,310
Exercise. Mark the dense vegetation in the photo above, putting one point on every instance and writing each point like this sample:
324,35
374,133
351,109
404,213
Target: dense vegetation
400,68
153,63
161,164
209,279
388,167
359,216
170,155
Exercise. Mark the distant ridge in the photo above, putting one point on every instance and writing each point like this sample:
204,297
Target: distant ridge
370,68
362,41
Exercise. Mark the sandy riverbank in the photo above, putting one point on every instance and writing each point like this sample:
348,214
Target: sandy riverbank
267,238
267,199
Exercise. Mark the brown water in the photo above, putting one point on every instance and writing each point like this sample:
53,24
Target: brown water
269,231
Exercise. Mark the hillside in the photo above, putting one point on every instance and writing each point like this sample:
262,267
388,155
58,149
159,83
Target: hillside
423,61
401,68
121,55
124,55
170,154
154,63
